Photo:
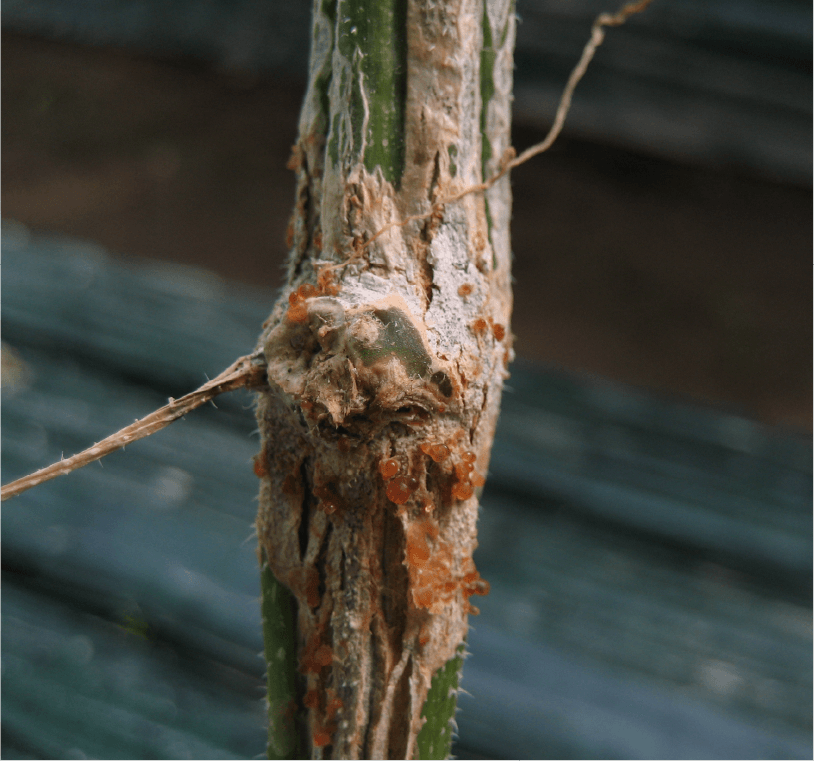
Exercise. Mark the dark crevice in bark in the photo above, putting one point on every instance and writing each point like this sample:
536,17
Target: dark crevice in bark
320,561
394,609
305,515
436,176
397,741
441,379
300,220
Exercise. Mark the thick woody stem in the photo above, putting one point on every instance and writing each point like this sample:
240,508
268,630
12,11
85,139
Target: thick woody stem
385,365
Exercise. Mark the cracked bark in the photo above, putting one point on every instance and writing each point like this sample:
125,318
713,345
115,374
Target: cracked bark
385,367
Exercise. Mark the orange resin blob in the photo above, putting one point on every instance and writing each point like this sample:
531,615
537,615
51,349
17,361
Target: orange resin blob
475,586
465,289
313,656
325,280
400,489
499,331
260,468
389,468
311,699
476,479
333,706
297,310
323,656
298,313
320,738
423,598
417,554
429,527
435,572
469,457
462,490
328,497
417,550
437,452
480,325
463,469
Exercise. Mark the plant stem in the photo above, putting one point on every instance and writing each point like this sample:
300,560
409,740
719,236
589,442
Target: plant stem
280,652
388,347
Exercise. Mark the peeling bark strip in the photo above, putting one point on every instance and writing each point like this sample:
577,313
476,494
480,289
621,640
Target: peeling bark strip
386,361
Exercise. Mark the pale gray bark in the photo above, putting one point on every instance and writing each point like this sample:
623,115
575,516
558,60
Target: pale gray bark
405,344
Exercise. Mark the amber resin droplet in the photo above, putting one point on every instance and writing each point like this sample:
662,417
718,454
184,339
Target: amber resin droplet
462,490
417,554
437,452
328,498
334,705
463,469
311,699
400,489
389,468
423,598
323,656
325,280
297,312
260,468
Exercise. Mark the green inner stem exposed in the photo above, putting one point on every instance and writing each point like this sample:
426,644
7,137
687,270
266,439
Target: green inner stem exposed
372,35
435,737
280,651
